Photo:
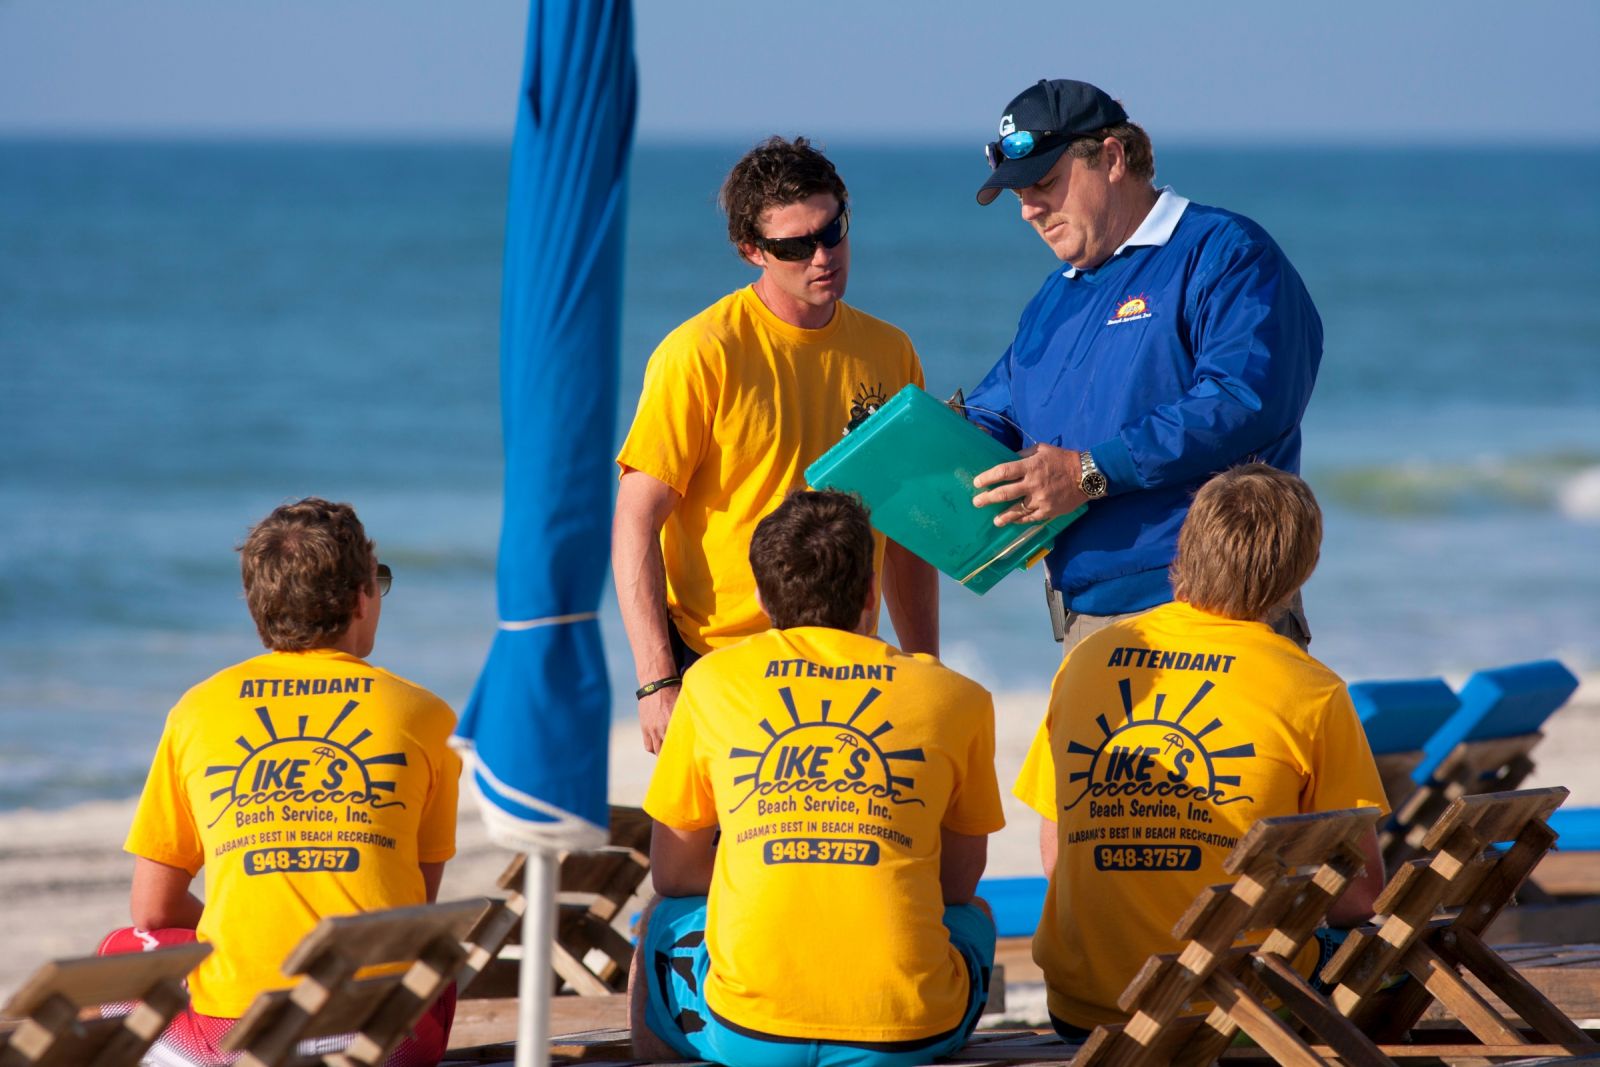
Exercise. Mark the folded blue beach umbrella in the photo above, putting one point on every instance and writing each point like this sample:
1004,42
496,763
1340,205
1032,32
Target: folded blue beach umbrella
535,732
538,722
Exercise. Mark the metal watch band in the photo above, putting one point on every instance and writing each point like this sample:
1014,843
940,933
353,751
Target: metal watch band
1092,480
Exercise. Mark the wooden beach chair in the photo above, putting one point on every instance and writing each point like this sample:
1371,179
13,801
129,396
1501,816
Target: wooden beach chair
1560,904
1483,748
330,1000
1431,917
59,1026
590,954
1291,870
1399,717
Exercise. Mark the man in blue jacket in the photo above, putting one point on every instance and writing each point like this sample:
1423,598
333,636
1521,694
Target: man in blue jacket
1178,342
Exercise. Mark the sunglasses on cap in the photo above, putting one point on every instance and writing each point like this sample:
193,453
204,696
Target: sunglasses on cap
384,578
1021,144
795,249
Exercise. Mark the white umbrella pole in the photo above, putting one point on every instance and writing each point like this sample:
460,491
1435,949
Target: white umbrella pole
538,934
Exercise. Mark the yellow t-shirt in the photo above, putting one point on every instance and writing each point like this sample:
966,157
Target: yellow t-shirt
1168,736
736,404
306,784
830,761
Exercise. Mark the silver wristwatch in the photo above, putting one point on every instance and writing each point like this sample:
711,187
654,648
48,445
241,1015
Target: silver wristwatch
1093,483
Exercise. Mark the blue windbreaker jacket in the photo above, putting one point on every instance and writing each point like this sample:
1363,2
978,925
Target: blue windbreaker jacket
1193,348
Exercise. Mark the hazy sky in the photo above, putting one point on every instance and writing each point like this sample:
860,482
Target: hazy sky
1435,70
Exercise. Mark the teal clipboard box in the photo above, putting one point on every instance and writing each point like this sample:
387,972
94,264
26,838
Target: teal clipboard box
912,462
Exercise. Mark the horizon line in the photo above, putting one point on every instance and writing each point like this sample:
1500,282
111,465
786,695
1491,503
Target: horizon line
851,140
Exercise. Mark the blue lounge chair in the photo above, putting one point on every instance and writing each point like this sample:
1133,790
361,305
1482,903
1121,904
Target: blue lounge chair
1016,902
1579,829
1399,718
1482,748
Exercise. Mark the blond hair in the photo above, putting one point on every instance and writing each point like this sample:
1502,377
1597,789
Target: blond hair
1250,541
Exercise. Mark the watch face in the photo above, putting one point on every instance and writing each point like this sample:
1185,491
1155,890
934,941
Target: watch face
1094,484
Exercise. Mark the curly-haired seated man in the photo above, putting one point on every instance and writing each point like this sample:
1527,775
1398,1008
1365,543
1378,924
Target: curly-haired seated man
853,789
306,782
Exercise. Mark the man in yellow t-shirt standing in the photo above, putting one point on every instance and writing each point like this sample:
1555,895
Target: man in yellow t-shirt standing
853,787
737,402
1170,733
306,782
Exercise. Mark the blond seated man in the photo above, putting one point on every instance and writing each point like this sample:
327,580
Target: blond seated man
1170,733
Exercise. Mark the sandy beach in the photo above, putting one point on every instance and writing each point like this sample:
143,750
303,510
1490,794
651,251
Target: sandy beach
64,877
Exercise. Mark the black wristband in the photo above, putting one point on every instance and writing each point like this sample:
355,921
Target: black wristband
656,686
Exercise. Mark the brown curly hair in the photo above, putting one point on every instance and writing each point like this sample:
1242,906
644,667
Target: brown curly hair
812,559
775,173
303,567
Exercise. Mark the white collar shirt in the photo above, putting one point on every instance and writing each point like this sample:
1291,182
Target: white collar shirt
1155,230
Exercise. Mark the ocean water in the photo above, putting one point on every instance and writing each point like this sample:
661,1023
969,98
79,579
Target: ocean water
193,333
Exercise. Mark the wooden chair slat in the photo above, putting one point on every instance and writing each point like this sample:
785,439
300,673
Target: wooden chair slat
1354,1048
1112,1046
1256,1019
1494,821
89,980
1438,977
1503,981
59,1025
385,936
1297,840
419,950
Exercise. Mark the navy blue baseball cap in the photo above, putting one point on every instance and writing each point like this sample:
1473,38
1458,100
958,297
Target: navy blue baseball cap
1038,125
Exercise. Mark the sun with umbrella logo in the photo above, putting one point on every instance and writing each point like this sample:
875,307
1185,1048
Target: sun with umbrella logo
306,767
1159,756
828,755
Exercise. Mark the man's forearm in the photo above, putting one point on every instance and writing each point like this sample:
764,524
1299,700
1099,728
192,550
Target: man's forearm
643,504
911,592
962,858
160,898
681,861
180,913
641,578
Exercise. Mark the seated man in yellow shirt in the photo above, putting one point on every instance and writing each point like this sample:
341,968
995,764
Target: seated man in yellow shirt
853,787
306,782
737,402
1170,733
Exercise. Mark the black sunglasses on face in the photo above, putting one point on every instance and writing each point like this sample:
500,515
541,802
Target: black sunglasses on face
795,249
385,579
